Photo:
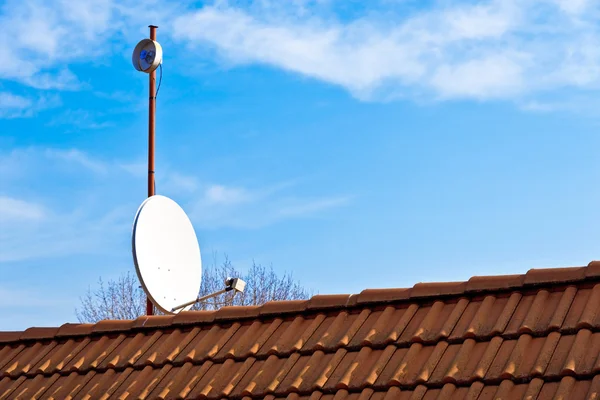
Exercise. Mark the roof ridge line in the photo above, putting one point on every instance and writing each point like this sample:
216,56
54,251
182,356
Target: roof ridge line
476,285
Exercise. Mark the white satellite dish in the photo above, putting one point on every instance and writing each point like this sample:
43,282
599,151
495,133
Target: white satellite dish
166,254
147,55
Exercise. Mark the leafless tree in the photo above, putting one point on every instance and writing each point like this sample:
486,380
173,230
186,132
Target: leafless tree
262,285
124,299
117,299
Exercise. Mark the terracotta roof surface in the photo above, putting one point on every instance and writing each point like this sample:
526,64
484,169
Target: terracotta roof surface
527,336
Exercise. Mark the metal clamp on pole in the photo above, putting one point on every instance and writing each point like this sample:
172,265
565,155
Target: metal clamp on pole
235,284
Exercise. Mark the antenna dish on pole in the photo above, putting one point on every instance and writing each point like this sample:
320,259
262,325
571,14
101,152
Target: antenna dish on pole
167,257
147,55
166,253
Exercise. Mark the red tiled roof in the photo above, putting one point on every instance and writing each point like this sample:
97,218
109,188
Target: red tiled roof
522,336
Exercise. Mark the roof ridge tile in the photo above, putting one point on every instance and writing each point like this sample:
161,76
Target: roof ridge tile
153,321
494,282
10,336
593,270
283,306
237,312
383,295
194,317
112,325
434,289
320,301
37,333
538,276
71,329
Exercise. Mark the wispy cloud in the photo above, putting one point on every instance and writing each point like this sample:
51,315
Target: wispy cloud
39,38
497,49
59,234
11,101
210,205
17,210
42,223
80,120
78,158
17,298
224,206
224,195
17,106
20,163
312,206
118,96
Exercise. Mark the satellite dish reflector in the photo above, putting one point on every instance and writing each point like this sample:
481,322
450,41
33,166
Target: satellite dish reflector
166,254
147,55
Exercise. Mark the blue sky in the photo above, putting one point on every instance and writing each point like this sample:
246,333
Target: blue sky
355,144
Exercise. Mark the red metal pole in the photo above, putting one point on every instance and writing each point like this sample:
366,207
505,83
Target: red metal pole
151,121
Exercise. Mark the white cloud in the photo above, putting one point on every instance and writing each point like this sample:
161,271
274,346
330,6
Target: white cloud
176,182
96,212
497,49
77,157
59,234
502,78
79,119
220,194
586,105
310,207
11,101
222,206
23,163
39,38
494,49
573,6
347,56
12,209
15,106
137,169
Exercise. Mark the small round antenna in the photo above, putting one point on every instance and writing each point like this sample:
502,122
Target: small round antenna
147,55
166,254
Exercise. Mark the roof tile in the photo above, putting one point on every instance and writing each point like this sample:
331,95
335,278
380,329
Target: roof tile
70,329
382,295
554,275
590,316
282,307
437,289
488,283
9,386
479,339
328,301
38,333
6,337
153,321
194,317
165,349
109,325
593,270
58,356
584,304
227,313
34,388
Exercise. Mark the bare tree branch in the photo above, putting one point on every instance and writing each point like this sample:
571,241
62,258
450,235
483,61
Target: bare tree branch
120,299
124,299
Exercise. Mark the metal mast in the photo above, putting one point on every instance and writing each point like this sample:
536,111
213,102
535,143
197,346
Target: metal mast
151,135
